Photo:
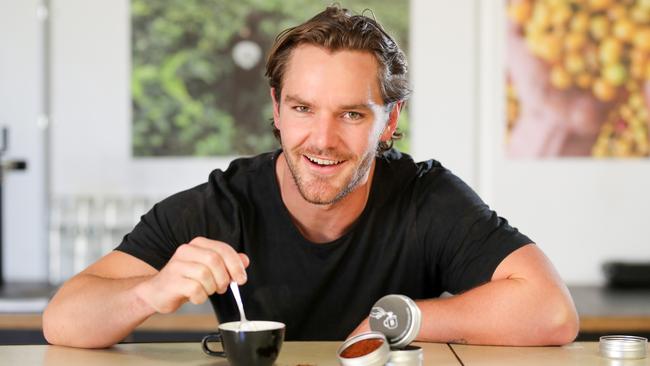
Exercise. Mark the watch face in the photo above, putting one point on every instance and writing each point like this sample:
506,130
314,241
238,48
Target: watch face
397,317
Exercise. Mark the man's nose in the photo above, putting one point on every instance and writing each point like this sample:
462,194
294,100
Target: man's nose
325,131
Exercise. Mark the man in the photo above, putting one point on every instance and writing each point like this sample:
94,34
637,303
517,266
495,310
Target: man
318,231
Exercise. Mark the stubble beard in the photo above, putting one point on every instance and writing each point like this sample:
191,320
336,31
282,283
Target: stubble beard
315,191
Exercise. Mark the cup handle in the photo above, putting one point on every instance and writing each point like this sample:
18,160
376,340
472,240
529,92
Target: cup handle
207,350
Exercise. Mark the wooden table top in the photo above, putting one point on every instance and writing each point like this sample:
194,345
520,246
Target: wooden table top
306,353
578,353
187,354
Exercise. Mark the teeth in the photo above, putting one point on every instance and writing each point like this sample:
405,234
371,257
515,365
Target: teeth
322,161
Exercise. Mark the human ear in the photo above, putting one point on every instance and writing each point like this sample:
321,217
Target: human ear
391,124
276,109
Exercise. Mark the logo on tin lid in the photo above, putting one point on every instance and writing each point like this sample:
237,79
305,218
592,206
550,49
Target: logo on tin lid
397,317
390,322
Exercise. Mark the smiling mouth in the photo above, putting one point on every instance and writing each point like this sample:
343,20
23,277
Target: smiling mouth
323,162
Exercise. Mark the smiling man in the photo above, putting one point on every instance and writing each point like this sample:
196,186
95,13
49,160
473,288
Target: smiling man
330,116
319,230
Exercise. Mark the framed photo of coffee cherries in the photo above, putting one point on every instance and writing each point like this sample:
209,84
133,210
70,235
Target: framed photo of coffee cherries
577,78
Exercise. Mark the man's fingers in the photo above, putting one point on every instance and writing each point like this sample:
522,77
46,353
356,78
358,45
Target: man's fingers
202,274
193,291
201,254
235,264
194,271
215,262
245,259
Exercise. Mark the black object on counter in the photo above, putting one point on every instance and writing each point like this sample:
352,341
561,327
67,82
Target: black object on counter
627,274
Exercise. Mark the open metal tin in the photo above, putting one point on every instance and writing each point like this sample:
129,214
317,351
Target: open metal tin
377,357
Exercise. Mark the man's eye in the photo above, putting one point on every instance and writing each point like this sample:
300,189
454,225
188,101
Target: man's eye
354,116
301,109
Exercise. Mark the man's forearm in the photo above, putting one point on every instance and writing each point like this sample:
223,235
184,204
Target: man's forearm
501,312
94,312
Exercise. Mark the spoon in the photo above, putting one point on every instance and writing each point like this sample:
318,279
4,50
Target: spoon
243,322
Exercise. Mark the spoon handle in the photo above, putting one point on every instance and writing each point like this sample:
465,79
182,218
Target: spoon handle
235,291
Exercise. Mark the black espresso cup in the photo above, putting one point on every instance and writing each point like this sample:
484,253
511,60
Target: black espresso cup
251,343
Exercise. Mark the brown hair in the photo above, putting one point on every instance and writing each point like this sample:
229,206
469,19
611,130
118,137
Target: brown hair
337,29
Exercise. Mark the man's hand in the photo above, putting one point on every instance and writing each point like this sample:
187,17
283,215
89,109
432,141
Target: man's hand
104,303
197,270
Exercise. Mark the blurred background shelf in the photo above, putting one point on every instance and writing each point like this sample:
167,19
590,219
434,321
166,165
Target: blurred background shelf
602,311
606,310
190,323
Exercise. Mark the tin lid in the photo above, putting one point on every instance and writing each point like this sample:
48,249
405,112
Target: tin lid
623,346
397,317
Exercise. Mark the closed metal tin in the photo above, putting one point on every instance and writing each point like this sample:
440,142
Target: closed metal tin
623,347
407,356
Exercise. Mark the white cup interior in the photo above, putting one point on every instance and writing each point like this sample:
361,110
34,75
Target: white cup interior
251,326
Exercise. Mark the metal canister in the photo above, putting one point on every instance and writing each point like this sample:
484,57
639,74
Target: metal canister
623,347
407,356
397,317
377,357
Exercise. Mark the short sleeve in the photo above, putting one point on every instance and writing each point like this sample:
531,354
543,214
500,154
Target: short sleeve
464,240
477,244
167,225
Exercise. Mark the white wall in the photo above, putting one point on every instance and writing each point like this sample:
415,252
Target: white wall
579,211
443,75
91,109
582,212
24,220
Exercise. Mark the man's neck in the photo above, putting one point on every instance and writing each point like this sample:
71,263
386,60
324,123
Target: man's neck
321,223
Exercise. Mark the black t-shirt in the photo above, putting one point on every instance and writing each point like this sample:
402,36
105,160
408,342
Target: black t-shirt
423,231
